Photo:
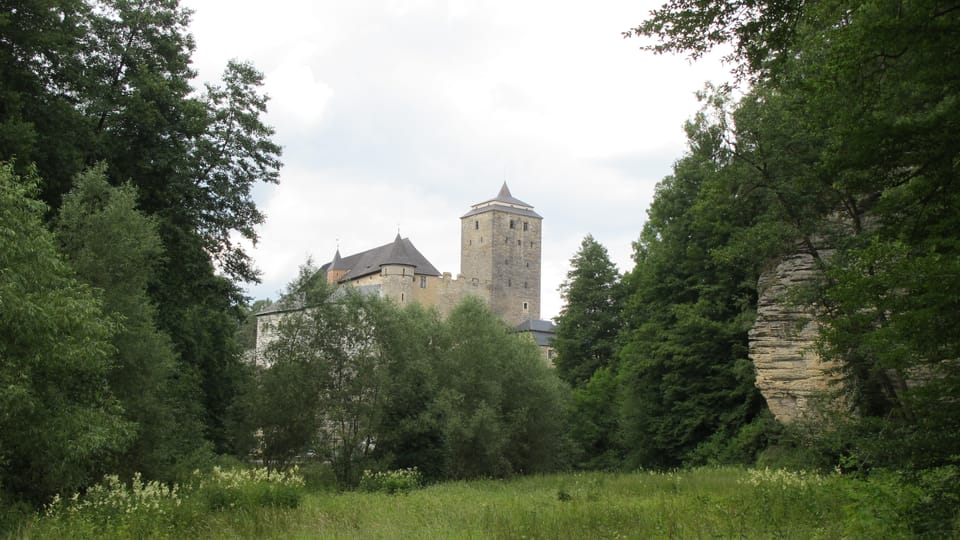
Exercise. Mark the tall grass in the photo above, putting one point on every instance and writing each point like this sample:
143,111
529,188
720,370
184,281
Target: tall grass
704,503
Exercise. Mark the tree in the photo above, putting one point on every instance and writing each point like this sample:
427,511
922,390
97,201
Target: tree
589,322
501,409
84,82
59,421
595,422
113,247
413,342
321,389
844,133
684,370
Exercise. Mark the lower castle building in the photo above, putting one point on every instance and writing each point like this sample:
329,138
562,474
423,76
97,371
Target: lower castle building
500,263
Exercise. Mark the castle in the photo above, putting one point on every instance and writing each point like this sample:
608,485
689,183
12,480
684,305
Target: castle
500,246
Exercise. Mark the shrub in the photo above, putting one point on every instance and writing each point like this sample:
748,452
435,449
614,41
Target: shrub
138,509
318,477
391,482
250,488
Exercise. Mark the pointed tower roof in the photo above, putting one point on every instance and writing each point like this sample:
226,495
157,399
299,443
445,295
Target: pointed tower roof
505,202
337,263
505,197
398,254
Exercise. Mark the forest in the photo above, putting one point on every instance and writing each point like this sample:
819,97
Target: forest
125,335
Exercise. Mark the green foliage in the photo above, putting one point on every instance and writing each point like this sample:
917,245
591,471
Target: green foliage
759,31
321,388
501,409
318,477
247,489
683,365
365,384
113,247
139,509
59,419
391,482
414,341
589,322
110,81
594,422
841,140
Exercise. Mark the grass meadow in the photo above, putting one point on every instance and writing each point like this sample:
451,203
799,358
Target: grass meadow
702,503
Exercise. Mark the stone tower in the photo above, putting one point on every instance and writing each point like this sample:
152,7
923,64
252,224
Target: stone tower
500,241
397,273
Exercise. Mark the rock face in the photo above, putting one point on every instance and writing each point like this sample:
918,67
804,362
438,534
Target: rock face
783,340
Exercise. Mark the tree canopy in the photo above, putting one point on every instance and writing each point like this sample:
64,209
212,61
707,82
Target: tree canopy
844,134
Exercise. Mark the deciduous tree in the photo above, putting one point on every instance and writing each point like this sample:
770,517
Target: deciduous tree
59,422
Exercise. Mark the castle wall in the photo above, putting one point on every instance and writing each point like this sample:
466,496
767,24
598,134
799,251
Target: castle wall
266,333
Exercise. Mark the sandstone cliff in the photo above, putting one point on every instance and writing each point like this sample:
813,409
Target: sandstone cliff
783,340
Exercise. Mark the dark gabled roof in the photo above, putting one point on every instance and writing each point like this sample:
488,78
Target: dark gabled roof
542,331
536,326
400,251
504,202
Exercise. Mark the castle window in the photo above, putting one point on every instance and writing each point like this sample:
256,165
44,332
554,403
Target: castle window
525,306
511,223
423,282
476,224
518,242
524,225
528,264
401,297
531,244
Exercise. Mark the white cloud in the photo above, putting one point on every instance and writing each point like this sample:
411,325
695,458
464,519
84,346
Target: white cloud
297,99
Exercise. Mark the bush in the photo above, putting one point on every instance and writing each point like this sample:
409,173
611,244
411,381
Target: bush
318,477
138,509
12,516
141,509
250,488
391,482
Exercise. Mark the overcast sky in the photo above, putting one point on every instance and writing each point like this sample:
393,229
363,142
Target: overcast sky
397,113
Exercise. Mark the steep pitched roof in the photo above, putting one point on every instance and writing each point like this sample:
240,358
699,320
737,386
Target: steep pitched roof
400,251
337,263
504,202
